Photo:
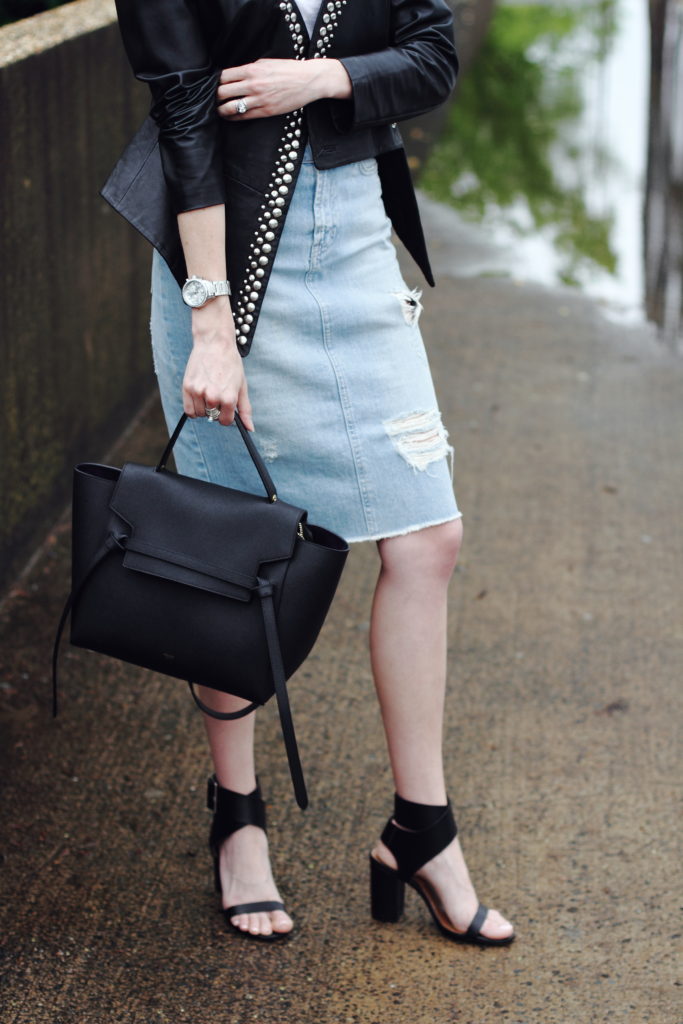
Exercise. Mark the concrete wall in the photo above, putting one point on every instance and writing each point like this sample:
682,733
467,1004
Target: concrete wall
74,278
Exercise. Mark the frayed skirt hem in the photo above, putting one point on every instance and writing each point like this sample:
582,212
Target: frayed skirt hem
405,532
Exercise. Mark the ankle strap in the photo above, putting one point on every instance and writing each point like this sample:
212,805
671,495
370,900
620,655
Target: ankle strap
413,848
414,816
232,811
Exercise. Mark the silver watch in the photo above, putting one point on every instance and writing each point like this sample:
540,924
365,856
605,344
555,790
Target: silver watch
197,291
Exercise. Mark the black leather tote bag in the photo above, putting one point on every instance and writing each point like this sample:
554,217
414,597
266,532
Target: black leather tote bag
215,586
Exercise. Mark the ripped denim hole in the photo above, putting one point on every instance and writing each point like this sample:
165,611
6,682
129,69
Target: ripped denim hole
410,304
420,438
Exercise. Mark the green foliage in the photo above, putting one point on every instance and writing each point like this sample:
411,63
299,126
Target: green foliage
505,128
15,10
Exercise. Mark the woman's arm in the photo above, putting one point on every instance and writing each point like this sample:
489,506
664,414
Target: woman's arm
277,86
411,76
214,375
166,49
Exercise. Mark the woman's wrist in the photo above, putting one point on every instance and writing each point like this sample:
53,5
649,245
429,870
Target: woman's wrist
335,83
213,322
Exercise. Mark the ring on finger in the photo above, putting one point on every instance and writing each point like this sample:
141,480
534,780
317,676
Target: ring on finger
241,106
212,413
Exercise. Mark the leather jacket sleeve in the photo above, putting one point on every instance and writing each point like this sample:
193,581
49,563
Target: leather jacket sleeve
411,76
166,49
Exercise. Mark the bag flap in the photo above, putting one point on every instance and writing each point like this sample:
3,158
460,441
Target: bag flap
213,580
215,530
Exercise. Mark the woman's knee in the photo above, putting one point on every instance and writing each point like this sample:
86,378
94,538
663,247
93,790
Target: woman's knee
432,551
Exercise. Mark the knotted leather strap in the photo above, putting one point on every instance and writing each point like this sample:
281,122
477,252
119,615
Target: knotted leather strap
264,589
265,592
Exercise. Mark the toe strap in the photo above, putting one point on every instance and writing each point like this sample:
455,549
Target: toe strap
474,930
254,908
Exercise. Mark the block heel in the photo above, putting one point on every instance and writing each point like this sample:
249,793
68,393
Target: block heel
415,835
387,893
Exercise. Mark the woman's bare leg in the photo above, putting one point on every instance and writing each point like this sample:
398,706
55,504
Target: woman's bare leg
408,649
244,863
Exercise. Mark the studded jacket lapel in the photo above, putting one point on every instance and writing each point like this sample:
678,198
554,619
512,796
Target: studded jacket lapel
266,234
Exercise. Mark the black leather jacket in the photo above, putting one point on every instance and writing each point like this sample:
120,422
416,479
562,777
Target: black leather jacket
401,60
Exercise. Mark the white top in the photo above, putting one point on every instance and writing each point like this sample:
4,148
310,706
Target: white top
309,12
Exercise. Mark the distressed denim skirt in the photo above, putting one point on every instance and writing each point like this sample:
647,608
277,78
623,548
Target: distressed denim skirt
344,407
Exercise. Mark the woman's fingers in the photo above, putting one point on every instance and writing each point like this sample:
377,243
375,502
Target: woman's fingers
244,406
234,86
242,109
227,412
236,74
193,405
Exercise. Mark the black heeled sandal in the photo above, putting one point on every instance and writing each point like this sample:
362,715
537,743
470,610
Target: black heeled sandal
426,831
232,811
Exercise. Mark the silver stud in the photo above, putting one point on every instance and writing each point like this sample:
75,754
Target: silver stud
319,43
326,18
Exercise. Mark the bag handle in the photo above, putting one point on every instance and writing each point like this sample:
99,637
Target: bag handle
266,478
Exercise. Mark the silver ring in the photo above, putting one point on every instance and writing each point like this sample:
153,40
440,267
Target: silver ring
213,413
240,106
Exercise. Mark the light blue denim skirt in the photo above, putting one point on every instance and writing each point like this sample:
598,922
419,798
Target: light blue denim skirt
342,395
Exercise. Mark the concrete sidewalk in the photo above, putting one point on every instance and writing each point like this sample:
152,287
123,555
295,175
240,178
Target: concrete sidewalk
563,732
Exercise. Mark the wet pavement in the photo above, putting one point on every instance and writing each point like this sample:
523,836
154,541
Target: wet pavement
563,731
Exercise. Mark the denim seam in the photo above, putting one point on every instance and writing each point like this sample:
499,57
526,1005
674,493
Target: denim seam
321,192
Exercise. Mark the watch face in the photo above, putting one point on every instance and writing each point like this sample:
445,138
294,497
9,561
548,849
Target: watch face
195,292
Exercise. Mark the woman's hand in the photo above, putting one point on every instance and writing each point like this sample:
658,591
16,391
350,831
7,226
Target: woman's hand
277,86
214,375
